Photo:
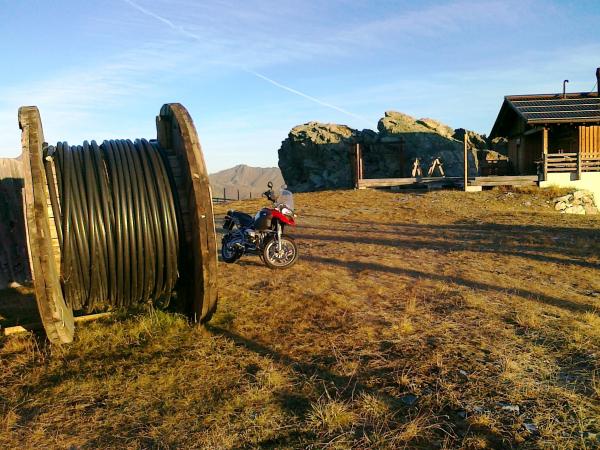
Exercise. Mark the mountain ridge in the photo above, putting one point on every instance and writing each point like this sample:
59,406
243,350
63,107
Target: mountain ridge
249,180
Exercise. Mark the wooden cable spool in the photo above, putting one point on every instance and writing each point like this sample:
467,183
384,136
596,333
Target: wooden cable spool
178,139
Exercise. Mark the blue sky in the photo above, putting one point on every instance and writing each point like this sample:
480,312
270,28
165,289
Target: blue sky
248,71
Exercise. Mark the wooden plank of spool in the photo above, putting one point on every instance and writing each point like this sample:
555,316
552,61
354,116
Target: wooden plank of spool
56,315
177,134
36,326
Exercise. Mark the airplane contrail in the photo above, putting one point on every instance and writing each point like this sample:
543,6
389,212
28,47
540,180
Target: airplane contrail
302,94
183,31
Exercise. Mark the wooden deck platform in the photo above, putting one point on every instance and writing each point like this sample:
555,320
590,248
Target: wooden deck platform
508,180
365,183
494,180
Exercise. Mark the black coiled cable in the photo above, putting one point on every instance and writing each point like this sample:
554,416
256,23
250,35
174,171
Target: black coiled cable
116,220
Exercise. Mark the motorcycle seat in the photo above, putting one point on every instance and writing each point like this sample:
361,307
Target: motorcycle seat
245,220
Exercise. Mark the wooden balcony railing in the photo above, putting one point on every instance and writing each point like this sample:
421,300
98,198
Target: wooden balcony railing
590,164
570,162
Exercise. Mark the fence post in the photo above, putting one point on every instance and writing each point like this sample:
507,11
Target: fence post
238,194
466,162
224,195
360,166
545,153
356,166
250,195
579,168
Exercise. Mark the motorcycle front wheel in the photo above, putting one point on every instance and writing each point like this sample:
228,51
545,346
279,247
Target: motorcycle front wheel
280,259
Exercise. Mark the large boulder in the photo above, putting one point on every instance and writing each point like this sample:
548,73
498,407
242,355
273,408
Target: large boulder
474,139
403,138
438,127
319,156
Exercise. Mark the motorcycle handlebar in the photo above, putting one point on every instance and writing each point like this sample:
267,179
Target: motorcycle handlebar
269,194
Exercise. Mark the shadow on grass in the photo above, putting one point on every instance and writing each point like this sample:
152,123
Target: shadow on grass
530,295
18,307
490,237
446,243
347,387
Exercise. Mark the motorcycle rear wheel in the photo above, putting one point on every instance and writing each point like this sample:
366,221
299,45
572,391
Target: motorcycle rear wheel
280,260
229,254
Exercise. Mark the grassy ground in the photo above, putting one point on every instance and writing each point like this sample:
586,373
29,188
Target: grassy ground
438,320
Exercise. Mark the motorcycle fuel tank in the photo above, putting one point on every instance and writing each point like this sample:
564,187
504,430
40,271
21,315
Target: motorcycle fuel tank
262,220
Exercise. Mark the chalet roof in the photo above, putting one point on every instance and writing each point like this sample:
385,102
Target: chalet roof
547,109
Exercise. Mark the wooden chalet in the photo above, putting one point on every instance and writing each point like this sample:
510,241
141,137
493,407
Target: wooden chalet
556,136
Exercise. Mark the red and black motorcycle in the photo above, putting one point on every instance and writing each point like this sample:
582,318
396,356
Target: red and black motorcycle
263,233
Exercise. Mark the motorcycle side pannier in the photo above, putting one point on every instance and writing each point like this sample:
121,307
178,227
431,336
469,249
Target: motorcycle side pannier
263,220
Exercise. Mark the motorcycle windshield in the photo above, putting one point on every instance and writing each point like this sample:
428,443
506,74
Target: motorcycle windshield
286,198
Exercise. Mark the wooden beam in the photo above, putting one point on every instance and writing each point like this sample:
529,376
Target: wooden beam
356,158
91,317
36,326
534,130
466,163
361,166
391,182
545,152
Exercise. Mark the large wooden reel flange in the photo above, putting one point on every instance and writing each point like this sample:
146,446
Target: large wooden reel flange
42,240
177,135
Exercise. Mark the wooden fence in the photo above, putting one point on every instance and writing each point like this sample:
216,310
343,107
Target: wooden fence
236,196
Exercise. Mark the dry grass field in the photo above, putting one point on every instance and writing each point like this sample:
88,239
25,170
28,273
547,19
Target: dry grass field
427,321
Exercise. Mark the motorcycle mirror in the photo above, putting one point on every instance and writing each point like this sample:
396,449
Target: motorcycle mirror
270,185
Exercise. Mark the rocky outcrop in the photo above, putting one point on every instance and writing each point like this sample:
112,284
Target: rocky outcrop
318,156
578,202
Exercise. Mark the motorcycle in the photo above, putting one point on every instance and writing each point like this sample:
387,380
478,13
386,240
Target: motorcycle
263,233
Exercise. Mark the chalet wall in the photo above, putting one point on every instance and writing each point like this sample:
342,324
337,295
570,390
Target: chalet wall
563,138
513,152
531,152
589,141
523,152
